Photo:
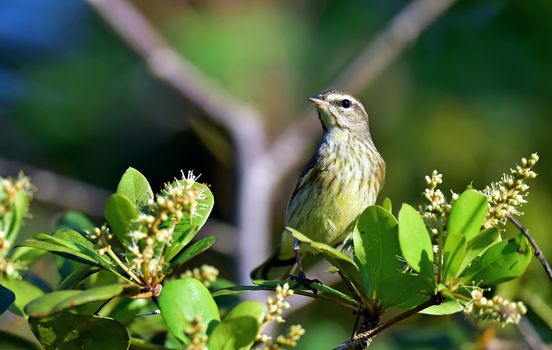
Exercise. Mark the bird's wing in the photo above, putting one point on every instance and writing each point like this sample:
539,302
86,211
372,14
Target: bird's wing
303,178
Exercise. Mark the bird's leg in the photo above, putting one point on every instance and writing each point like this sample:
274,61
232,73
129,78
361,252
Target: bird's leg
300,276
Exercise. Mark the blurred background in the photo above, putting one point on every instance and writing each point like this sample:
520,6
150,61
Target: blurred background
219,87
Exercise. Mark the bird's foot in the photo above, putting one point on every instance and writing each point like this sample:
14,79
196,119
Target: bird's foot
303,280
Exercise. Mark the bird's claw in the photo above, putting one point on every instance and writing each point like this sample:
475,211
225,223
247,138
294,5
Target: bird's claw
302,280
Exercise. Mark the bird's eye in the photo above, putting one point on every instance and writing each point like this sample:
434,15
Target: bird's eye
346,103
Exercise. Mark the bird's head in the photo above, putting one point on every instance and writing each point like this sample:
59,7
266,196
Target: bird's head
338,109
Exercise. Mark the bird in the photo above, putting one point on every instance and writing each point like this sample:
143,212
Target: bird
342,178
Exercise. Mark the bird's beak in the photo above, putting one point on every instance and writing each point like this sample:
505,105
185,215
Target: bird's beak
318,100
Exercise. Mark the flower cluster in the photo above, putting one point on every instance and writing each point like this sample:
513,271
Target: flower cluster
196,333
10,189
150,234
508,195
437,202
497,309
275,309
206,274
438,206
295,333
6,266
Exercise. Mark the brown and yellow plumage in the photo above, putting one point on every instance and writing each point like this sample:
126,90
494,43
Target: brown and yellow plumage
342,178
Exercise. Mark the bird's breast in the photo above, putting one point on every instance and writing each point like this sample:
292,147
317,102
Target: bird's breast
342,183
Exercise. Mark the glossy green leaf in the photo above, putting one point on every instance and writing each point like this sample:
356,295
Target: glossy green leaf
76,250
233,334
468,213
479,244
119,212
75,239
74,220
405,291
183,300
194,250
135,187
387,205
66,331
414,241
453,255
59,300
6,298
49,244
337,258
10,341
449,307
186,229
500,263
24,293
376,247
249,308
76,276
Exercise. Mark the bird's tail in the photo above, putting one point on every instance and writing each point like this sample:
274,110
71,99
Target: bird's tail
263,270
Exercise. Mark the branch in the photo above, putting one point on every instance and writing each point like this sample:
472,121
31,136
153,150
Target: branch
360,340
58,189
172,68
538,251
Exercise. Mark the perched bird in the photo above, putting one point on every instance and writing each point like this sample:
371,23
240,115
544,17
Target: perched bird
342,178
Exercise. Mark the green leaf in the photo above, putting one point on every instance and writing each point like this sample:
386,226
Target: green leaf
24,293
76,276
338,259
135,187
193,250
6,298
454,252
76,239
387,205
233,334
250,308
59,300
415,242
71,331
468,213
449,307
40,241
10,341
75,220
183,300
479,244
186,229
404,291
119,212
75,250
298,289
20,208
500,263
25,255
376,246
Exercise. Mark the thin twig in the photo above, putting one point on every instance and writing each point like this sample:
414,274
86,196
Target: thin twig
538,251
